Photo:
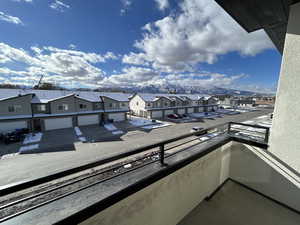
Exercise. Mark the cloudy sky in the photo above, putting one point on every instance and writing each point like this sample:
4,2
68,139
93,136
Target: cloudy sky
125,43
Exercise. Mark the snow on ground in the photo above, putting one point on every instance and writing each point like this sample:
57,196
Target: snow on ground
28,148
82,139
117,132
30,138
110,127
249,122
77,131
154,126
262,117
9,155
137,121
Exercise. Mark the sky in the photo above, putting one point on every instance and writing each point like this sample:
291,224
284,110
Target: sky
132,43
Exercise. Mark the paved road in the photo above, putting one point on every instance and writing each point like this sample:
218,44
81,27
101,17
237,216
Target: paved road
31,166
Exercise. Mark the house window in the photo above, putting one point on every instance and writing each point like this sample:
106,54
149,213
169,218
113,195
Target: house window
41,108
110,105
63,107
123,104
166,104
148,104
137,103
14,108
82,106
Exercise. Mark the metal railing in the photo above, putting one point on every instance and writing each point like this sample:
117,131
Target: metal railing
250,131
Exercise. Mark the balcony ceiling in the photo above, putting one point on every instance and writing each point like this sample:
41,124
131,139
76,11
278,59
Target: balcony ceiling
252,15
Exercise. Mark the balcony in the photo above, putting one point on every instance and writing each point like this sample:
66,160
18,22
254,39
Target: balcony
213,176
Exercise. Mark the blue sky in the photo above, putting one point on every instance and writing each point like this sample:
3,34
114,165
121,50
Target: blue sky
125,43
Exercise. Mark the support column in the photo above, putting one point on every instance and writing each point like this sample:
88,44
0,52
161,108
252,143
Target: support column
285,132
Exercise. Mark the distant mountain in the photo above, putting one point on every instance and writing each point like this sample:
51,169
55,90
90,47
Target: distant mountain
185,90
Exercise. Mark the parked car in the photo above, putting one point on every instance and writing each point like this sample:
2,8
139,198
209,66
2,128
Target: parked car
172,116
15,136
196,129
178,115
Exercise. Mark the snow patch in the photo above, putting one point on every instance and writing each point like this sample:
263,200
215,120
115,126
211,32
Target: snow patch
77,131
31,138
28,148
149,127
110,127
117,132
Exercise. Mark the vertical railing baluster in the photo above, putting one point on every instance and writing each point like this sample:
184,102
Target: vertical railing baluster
162,154
267,135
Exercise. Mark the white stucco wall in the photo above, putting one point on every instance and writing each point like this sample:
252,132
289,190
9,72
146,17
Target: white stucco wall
285,135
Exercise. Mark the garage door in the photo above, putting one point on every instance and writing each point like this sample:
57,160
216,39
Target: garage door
88,120
209,108
201,109
168,112
156,114
58,123
11,126
117,116
181,111
190,110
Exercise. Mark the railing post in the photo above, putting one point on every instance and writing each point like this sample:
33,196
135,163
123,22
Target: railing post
229,127
162,154
267,135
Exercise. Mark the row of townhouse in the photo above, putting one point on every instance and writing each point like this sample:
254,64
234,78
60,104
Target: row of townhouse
161,105
56,109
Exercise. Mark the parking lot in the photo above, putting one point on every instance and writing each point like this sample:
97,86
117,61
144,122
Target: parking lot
61,149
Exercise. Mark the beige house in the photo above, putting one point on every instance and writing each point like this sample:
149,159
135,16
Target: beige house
161,105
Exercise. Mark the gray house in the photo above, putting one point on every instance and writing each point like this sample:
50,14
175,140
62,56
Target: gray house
50,110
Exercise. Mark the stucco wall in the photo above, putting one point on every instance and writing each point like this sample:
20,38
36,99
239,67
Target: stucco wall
167,201
285,135
23,101
256,169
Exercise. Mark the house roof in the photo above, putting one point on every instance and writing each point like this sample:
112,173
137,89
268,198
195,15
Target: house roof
155,97
45,96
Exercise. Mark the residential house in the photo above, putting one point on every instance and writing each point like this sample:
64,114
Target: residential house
56,109
161,105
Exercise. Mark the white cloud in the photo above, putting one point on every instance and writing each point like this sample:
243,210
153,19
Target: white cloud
125,6
199,33
59,6
60,65
135,59
144,77
162,4
10,19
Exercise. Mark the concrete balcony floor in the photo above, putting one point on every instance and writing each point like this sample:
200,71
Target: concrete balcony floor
236,205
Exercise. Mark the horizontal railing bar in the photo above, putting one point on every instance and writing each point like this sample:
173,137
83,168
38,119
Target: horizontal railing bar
45,179
249,125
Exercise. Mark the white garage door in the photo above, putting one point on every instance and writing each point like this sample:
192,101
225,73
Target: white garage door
156,114
88,120
201,109
181,111
190,110
58,123
168,112
11,126
216,108
117,116
209,109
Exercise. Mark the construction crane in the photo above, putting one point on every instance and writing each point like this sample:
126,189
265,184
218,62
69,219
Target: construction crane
38,85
